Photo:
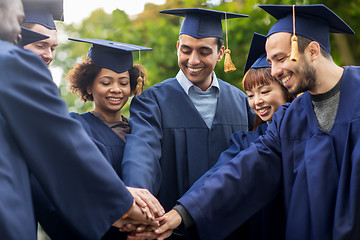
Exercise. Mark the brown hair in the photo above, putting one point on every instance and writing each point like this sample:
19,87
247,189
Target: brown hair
258,77
83,75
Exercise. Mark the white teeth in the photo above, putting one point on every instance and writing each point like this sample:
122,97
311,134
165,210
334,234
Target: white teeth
195,69
262,110
114,99
284,80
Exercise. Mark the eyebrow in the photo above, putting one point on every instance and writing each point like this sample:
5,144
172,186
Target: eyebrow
201,48
106,76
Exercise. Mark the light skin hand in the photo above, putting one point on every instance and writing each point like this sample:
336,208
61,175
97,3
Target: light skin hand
135,217
172,221
148,203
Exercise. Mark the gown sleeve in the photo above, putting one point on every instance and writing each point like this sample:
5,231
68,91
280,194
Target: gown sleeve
239,141
56,149
239,188
143,146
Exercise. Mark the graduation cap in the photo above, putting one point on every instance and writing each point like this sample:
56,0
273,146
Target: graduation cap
115,56
29,36
257,53
311,21
43,12
203,23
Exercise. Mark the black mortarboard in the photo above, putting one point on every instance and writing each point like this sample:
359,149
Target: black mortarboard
311,21
29,36
115,56
43,12
257,54
202,23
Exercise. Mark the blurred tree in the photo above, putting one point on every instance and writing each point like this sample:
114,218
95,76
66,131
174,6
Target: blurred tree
160,32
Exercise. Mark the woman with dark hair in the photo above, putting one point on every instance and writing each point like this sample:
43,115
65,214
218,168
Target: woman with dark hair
108,78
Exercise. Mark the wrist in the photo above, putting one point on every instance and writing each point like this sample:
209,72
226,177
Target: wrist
128,212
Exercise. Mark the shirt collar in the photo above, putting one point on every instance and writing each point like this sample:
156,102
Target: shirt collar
186,84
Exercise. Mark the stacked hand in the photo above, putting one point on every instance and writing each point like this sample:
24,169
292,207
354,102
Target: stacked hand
145,213
168,223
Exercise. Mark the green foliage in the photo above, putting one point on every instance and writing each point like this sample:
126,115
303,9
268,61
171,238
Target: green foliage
160,32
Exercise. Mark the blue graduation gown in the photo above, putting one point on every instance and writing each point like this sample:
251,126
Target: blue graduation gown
170,145
317,171
104,137
37,135
269,222
111,146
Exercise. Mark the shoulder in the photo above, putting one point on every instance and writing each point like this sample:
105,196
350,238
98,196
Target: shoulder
11,52
228,88
160,89
14,57
164,84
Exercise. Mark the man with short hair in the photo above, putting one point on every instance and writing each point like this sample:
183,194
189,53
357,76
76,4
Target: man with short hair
180,126
37,135
39,17
310,152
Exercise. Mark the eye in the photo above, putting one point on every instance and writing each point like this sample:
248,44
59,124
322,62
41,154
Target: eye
265,92
205,52
40,46
282,59
185,50
105,83
124,83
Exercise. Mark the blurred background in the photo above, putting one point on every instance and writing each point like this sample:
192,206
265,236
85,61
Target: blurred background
138,22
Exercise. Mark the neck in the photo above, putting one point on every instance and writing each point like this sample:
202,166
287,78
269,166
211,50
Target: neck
111,116
328,75
206,84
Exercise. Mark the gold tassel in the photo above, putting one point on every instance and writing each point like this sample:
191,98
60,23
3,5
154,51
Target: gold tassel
294,41
294,49
228,65
139,86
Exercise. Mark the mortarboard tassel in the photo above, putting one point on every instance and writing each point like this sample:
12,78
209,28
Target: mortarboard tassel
140,81
139,85
294,42
228,64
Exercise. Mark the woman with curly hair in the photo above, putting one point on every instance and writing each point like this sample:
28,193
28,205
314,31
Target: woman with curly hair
108,78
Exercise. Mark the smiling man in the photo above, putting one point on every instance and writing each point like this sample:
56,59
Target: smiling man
310,152
180,126
39,17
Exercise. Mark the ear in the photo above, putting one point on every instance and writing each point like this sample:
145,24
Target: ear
221,53
88,90
314,50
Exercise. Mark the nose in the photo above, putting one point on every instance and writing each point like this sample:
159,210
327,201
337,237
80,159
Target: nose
115,88
258,99
194,58
275,70
48,55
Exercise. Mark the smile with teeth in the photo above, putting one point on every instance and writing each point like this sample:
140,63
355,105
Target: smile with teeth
285,79
194,69
114,99
263,110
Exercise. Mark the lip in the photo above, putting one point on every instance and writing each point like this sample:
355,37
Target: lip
194,70
263,111
114,100
286,81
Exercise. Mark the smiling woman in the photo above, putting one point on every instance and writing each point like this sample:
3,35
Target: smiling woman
108,78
